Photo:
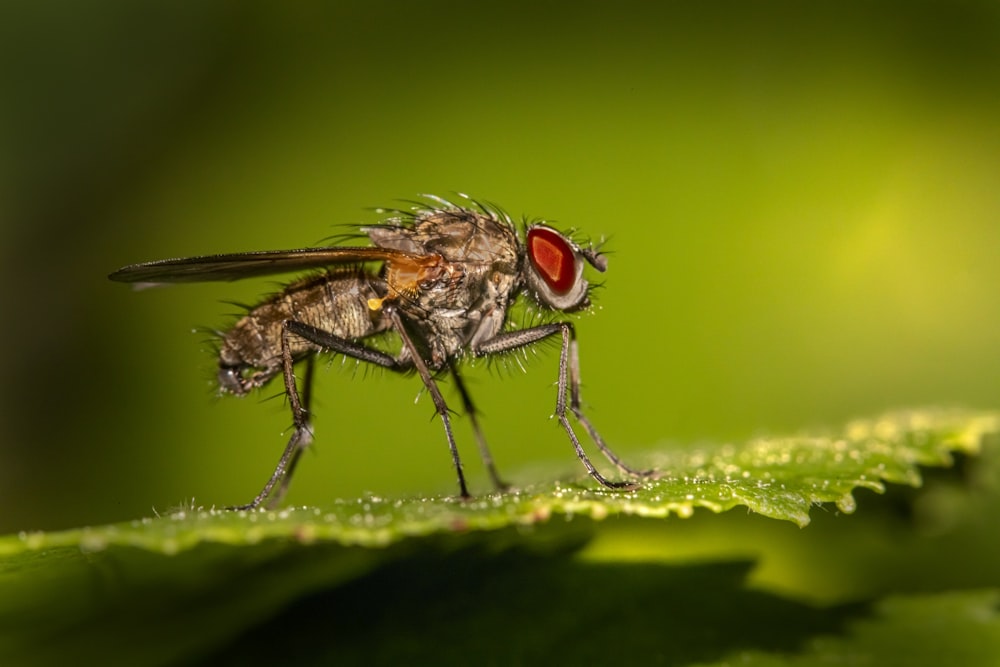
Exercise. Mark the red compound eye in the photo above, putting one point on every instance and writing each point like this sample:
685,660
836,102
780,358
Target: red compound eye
553,257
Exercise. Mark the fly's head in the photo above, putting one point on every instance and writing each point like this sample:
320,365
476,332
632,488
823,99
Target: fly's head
554,268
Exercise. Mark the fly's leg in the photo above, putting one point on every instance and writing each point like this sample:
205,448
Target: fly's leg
484,450
302,437
337,344
334,343
570,349
435,392
569,382
307,387
565,366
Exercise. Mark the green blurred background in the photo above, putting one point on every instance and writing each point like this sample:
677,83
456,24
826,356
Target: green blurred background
803,202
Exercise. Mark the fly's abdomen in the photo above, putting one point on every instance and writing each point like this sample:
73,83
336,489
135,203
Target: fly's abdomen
337,303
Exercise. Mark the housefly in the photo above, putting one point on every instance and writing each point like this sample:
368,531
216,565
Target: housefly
441,278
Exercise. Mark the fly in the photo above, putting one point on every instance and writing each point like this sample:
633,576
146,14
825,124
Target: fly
441,277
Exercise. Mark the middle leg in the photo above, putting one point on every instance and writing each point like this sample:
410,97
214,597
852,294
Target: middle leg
484,450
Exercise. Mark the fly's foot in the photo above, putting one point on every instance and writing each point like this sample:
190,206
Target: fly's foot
622,486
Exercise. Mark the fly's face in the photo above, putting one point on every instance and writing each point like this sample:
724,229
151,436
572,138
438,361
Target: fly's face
554,268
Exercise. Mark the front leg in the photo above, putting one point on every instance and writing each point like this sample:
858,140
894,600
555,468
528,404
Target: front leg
569,381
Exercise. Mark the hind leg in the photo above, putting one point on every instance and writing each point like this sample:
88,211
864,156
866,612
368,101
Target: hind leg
277,485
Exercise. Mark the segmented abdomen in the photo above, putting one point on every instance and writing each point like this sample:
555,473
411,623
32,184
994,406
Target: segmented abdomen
335,302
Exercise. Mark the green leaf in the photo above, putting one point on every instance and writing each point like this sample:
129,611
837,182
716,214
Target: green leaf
177,586
777,477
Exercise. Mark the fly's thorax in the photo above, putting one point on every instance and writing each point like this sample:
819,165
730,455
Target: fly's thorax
472,238
453,322
456,235
337,303
454,287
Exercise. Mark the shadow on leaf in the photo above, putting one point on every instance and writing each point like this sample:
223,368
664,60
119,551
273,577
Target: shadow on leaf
522,608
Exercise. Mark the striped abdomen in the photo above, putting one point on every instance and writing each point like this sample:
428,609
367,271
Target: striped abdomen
335,302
